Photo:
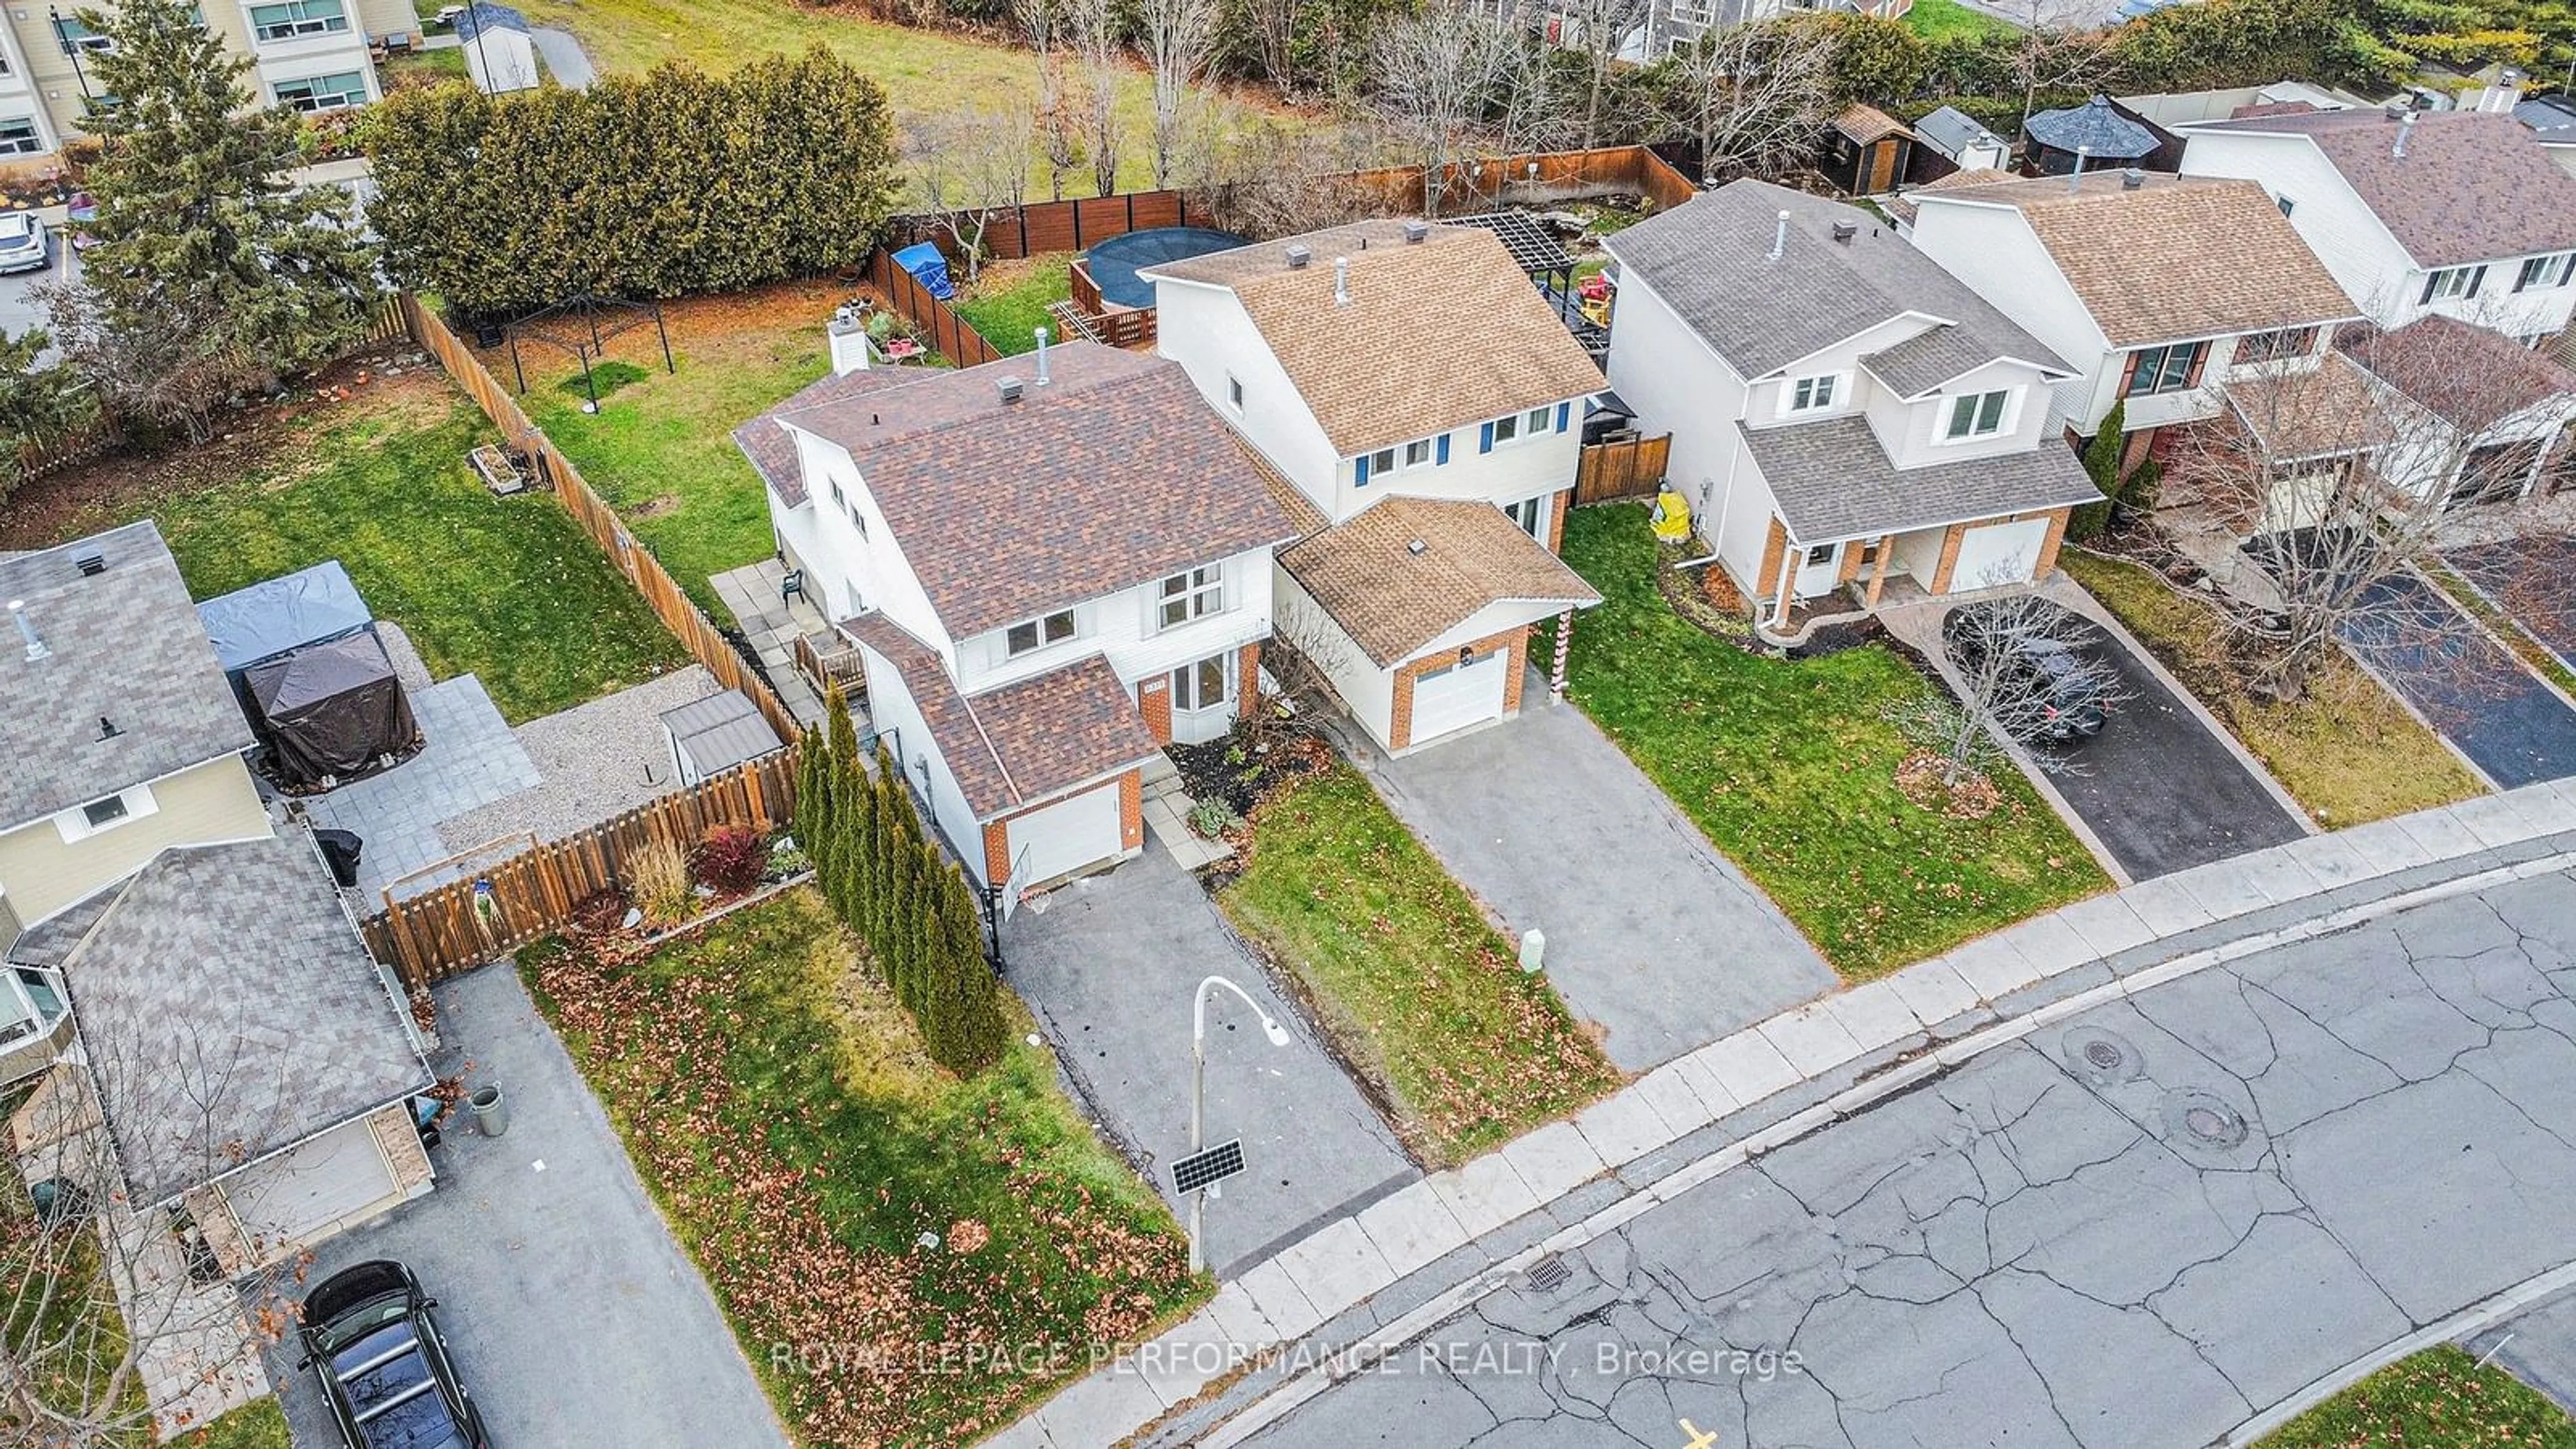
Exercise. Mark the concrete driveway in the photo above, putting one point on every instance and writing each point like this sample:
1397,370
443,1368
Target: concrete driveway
1650,932
574,1317
2513,728
1109,963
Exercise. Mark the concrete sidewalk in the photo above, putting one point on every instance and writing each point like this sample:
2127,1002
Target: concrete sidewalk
1416,1256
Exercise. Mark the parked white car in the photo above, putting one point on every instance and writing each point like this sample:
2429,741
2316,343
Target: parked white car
25,243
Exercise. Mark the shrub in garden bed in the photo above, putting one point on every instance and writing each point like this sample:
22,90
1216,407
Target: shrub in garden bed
732,859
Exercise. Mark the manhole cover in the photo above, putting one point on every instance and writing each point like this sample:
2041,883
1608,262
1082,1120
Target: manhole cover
1549,1274
2100,1057
2206,1119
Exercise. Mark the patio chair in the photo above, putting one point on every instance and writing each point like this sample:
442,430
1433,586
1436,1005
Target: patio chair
791,585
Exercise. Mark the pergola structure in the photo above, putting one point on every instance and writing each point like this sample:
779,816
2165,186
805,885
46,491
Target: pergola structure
583,325
1545,260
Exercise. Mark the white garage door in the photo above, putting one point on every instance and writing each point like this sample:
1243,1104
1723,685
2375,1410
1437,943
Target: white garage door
296,1193
1999,553
1065,837
1458,696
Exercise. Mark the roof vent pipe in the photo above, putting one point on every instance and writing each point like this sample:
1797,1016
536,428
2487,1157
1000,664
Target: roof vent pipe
1780,237
1042,357
2132,178
27,630
2075,178
2405,128
1844,231
1341,281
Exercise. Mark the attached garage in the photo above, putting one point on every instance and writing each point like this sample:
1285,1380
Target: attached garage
1070,835
1995,554
310,1190
1455,696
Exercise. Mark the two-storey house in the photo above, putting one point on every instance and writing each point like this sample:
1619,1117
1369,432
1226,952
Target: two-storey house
1052,567
1423,407
2460,213
2160,290
1843,413
242,1054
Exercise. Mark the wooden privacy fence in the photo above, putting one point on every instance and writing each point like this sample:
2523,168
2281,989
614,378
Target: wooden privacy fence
1058,226
1538,179
704,641
465,923
942,329
1630,469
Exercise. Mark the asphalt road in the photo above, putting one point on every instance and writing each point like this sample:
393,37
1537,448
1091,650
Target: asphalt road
19,307
2140,1226
2159,789
2479,697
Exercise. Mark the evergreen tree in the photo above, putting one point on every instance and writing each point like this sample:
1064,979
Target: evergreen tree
40,402
848,799
213,275
963,1017
814,806
2102,464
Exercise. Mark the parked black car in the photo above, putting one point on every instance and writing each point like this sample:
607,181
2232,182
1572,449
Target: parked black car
369,1337
2048,689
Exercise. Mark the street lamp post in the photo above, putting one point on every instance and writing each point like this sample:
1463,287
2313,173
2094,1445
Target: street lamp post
1270,1028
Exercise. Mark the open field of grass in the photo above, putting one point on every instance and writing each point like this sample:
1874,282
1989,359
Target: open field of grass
2348,753
839,1189
1790,768
2438,1399
1422,994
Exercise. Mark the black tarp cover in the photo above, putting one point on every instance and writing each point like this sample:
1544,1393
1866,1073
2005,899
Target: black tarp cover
331,709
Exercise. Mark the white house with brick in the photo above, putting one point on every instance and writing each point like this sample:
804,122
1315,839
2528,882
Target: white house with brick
2457,213
1052,566
2160,291
177,969
1845,415
1422,407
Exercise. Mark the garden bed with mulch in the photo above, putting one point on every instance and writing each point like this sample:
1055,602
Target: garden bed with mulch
1240,771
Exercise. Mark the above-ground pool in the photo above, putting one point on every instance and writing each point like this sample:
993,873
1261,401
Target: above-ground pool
1113,264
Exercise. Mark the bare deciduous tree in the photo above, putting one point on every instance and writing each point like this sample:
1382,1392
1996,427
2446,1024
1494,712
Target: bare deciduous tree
1042,24
1437,73
1255,176
969,165
1599,30
2057,51
1095,28
1272,24
1756,98
2024,667
1180,37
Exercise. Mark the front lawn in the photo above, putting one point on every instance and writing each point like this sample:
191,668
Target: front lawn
1940,20
2348,753
1009,301
2438,1399
1790,768
905,1258
1422,995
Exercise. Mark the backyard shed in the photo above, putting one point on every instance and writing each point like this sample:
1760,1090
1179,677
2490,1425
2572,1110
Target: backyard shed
712,735
1953,140
330,711
499,53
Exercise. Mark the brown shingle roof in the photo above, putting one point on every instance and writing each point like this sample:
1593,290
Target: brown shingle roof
1015,746
773,453
1114,474
1863,124
2326,413
1392,601
2175,258
1437,334
2472,187
2464,374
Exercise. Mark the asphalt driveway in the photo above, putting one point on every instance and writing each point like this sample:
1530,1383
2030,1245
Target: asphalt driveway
574,1317
2158,786
1650,932
2527,578
1110,963
2514,728
2538,1347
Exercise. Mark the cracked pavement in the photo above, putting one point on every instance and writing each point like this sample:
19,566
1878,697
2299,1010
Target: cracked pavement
2141,1226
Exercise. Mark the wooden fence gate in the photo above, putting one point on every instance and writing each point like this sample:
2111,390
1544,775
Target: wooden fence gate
1631,469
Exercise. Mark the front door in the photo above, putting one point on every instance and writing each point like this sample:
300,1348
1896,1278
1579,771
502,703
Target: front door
1819,568
1203,699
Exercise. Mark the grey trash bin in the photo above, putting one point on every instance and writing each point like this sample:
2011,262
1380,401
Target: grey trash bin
491,1114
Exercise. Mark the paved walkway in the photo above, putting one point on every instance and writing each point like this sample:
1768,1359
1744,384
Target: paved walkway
1650,932
572,1314
1418,1258
773,625
471,760
564,58
1109,964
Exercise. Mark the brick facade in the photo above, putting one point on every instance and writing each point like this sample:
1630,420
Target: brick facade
997,850
1154,702
1515,644
1247,675
2048,547
1131,810
1557,504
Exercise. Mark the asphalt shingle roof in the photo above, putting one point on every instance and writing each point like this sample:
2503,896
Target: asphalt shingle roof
1393,600
2467,375
1114,474
2170,259
230,1010
2093,127
1709,259
1437,334
1832,480
124,645
2472,187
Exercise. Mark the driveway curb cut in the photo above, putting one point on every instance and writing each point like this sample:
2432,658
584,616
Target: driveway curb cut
1860,1045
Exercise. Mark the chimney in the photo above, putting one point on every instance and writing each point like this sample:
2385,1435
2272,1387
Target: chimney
1780,237
1341,281
1844,231
1042,357
848,337
2075,178
2405,128
107,729
1009,388
27,630
1298,256
2132,178
1415,231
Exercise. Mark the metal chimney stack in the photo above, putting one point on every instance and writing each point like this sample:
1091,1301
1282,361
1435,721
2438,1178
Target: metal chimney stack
1341,281
1780,237
2405,128
27,630
2075,178
1042,357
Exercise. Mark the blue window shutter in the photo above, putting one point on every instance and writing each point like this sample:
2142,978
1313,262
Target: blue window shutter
1362,460
1487,445
1563,411
1444,449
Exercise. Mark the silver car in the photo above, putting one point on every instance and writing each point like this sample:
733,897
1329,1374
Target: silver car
25,244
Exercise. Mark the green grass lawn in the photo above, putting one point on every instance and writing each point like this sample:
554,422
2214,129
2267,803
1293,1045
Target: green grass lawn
1789,767
2438,1399
1936,20
782,1109
1423,995
1008,303
507,589
2349,752
423,67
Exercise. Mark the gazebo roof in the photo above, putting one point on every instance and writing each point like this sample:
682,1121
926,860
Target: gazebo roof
2092,127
